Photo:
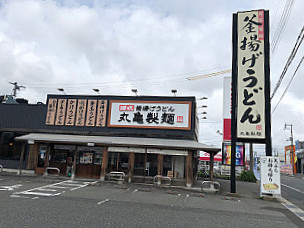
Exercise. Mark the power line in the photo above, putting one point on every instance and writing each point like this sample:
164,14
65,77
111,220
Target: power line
289,83
173,76
289,61
282,24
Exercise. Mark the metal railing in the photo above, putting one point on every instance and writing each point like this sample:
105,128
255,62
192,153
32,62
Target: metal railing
211,186
1,168
159,178
45,174
119,176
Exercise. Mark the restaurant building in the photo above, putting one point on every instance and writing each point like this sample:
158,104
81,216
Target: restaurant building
140,136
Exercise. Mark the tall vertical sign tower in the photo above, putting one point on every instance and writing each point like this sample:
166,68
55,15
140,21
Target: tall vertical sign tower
250,117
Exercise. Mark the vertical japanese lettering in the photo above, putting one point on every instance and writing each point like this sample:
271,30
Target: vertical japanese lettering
60,116
81,110
91,113
101,113
251,75
51,111
71,112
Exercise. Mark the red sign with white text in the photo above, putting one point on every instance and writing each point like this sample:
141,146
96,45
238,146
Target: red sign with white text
126,107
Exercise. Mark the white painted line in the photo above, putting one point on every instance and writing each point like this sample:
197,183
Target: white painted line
35,198
46,186
47,189
293,208
73,189
90,183
71,185
38,193
56,186
16,196
42,191
295,189
103,201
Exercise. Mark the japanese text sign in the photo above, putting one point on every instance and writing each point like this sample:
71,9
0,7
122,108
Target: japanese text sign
251,105
76,112
270,175
150,114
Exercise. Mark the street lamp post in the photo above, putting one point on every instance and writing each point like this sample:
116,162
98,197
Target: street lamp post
97,91
134,91
291,149
174,91
61,90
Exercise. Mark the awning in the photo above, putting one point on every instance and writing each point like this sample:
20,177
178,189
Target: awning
206,157
147,150
174,144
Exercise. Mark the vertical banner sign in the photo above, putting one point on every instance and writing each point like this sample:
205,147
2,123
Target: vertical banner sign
71,109
91,113
253,103
227,109
51,111
226,154
60,116
270,175
101,113
81,110
250,115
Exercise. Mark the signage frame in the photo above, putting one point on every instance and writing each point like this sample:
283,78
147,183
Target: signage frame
238,146
266,88
189,103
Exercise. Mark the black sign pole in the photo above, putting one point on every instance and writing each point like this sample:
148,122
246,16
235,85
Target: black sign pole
267,85
234,104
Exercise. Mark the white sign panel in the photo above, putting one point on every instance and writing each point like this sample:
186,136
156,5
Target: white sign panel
227,104
150,114
250,75
270,175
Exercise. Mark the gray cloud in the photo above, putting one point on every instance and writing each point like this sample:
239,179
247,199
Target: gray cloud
149,45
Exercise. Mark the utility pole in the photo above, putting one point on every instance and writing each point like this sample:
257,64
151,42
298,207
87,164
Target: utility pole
291,149
16,87
251,162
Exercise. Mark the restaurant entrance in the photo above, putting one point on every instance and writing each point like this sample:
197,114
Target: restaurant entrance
88,162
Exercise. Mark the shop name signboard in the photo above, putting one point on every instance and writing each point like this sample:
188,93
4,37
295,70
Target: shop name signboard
270,175
251,89
150,114
76,112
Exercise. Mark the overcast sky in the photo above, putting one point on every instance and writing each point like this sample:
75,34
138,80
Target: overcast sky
151,45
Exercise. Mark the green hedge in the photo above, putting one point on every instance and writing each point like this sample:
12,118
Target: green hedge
248,176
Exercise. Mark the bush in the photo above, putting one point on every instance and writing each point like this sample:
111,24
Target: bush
248,176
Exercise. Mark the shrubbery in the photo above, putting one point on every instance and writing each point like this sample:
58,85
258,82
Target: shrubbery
248,176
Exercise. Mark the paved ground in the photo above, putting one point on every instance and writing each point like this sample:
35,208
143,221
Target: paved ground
38,202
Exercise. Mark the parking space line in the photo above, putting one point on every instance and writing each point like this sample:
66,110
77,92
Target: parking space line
40,193
54,189
103,201
56,186
47,190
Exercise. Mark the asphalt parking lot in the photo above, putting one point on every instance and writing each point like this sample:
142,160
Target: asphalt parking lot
36,202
